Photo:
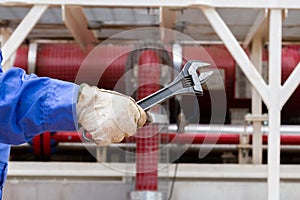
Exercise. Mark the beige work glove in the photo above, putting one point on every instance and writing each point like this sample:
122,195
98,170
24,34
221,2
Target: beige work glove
107,115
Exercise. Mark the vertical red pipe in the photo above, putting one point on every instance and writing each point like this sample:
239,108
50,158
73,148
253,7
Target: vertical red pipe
147,142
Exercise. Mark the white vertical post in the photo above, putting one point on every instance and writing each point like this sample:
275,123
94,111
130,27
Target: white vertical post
32,56
256,56
275,35
5,34
167,20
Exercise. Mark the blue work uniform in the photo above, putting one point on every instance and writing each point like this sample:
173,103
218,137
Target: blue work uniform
30,105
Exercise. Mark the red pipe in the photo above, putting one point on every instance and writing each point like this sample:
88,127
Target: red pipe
67,137
42,145
285,139
182,138
147,144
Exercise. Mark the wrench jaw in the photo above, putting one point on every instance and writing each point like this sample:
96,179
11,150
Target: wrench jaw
192,66
189,74
190,70
193,72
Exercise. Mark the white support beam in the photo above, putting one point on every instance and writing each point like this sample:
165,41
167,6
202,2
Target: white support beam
286,4
5,34
102,3
23,29
167,20
257,144
285,14
275,45
260,22
32,57
290,85
237,52
76,21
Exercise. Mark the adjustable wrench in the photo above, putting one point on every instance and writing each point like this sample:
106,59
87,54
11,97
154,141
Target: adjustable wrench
187,82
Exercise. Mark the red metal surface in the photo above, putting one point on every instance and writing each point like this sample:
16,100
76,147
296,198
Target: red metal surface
62,61
21,59
46,144
59,61
147,139
42,145
36,143
67,137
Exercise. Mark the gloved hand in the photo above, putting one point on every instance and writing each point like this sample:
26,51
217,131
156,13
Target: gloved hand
107,115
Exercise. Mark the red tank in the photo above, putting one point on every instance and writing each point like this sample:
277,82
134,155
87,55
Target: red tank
62,61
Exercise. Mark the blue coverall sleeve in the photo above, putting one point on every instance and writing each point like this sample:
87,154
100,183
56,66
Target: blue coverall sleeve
30,105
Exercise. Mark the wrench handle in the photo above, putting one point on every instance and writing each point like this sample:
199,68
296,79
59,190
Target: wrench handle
160,96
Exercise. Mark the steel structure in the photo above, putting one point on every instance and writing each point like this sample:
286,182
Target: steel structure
273,93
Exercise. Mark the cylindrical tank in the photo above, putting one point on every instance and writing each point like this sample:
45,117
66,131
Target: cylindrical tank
63,60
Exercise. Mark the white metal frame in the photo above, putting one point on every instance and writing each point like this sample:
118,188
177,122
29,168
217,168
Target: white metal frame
5,35
19,35
287,4
274,94
237,52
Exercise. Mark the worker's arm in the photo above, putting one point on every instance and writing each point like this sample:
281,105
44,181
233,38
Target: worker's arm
30,105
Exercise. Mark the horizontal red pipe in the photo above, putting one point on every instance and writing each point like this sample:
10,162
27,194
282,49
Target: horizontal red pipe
182,138
285,139
67,137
